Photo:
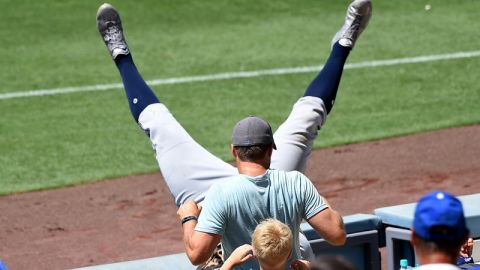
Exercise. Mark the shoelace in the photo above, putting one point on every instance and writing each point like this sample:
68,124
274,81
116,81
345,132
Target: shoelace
113,35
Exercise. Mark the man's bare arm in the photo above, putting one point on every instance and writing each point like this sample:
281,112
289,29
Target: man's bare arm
329,224
199,246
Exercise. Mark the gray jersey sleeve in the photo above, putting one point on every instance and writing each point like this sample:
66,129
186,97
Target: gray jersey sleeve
313,202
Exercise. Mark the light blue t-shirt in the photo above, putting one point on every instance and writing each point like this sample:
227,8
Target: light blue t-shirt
235,207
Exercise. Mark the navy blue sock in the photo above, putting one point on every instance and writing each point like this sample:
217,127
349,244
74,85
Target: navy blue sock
325,85
139,95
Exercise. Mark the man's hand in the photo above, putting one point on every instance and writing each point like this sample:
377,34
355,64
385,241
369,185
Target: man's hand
238,256
189,208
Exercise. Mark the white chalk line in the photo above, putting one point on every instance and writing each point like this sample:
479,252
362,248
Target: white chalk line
240,74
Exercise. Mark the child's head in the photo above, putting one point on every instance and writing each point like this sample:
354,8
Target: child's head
272,243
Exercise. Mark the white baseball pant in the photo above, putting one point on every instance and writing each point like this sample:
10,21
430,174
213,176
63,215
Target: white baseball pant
189,169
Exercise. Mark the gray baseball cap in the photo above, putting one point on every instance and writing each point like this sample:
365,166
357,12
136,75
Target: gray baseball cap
252,131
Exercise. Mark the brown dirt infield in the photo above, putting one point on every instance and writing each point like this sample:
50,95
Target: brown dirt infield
134,217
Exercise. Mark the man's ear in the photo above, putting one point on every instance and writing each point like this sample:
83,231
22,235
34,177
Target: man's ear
270,150
413,238
234,152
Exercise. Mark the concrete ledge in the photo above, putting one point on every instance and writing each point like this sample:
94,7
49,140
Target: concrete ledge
362,230
175,261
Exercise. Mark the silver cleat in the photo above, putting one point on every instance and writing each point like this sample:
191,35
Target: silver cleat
110,27
356,20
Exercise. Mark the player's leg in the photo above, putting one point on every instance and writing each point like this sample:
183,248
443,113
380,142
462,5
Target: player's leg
188,169
294,138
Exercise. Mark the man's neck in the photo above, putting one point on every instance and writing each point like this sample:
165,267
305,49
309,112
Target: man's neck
437,258
251,168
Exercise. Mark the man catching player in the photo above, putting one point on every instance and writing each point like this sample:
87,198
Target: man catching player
189,170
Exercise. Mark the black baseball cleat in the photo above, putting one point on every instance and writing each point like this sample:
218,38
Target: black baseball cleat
356,20
110,27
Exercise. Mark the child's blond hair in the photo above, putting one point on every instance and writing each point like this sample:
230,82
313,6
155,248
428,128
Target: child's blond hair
272,241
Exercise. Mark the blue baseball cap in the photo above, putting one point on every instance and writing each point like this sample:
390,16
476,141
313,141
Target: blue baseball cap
439,217
2,266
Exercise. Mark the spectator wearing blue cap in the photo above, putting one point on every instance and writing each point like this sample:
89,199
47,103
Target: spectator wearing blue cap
3,266
439,231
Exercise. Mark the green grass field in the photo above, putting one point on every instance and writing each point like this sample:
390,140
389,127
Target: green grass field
59,140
